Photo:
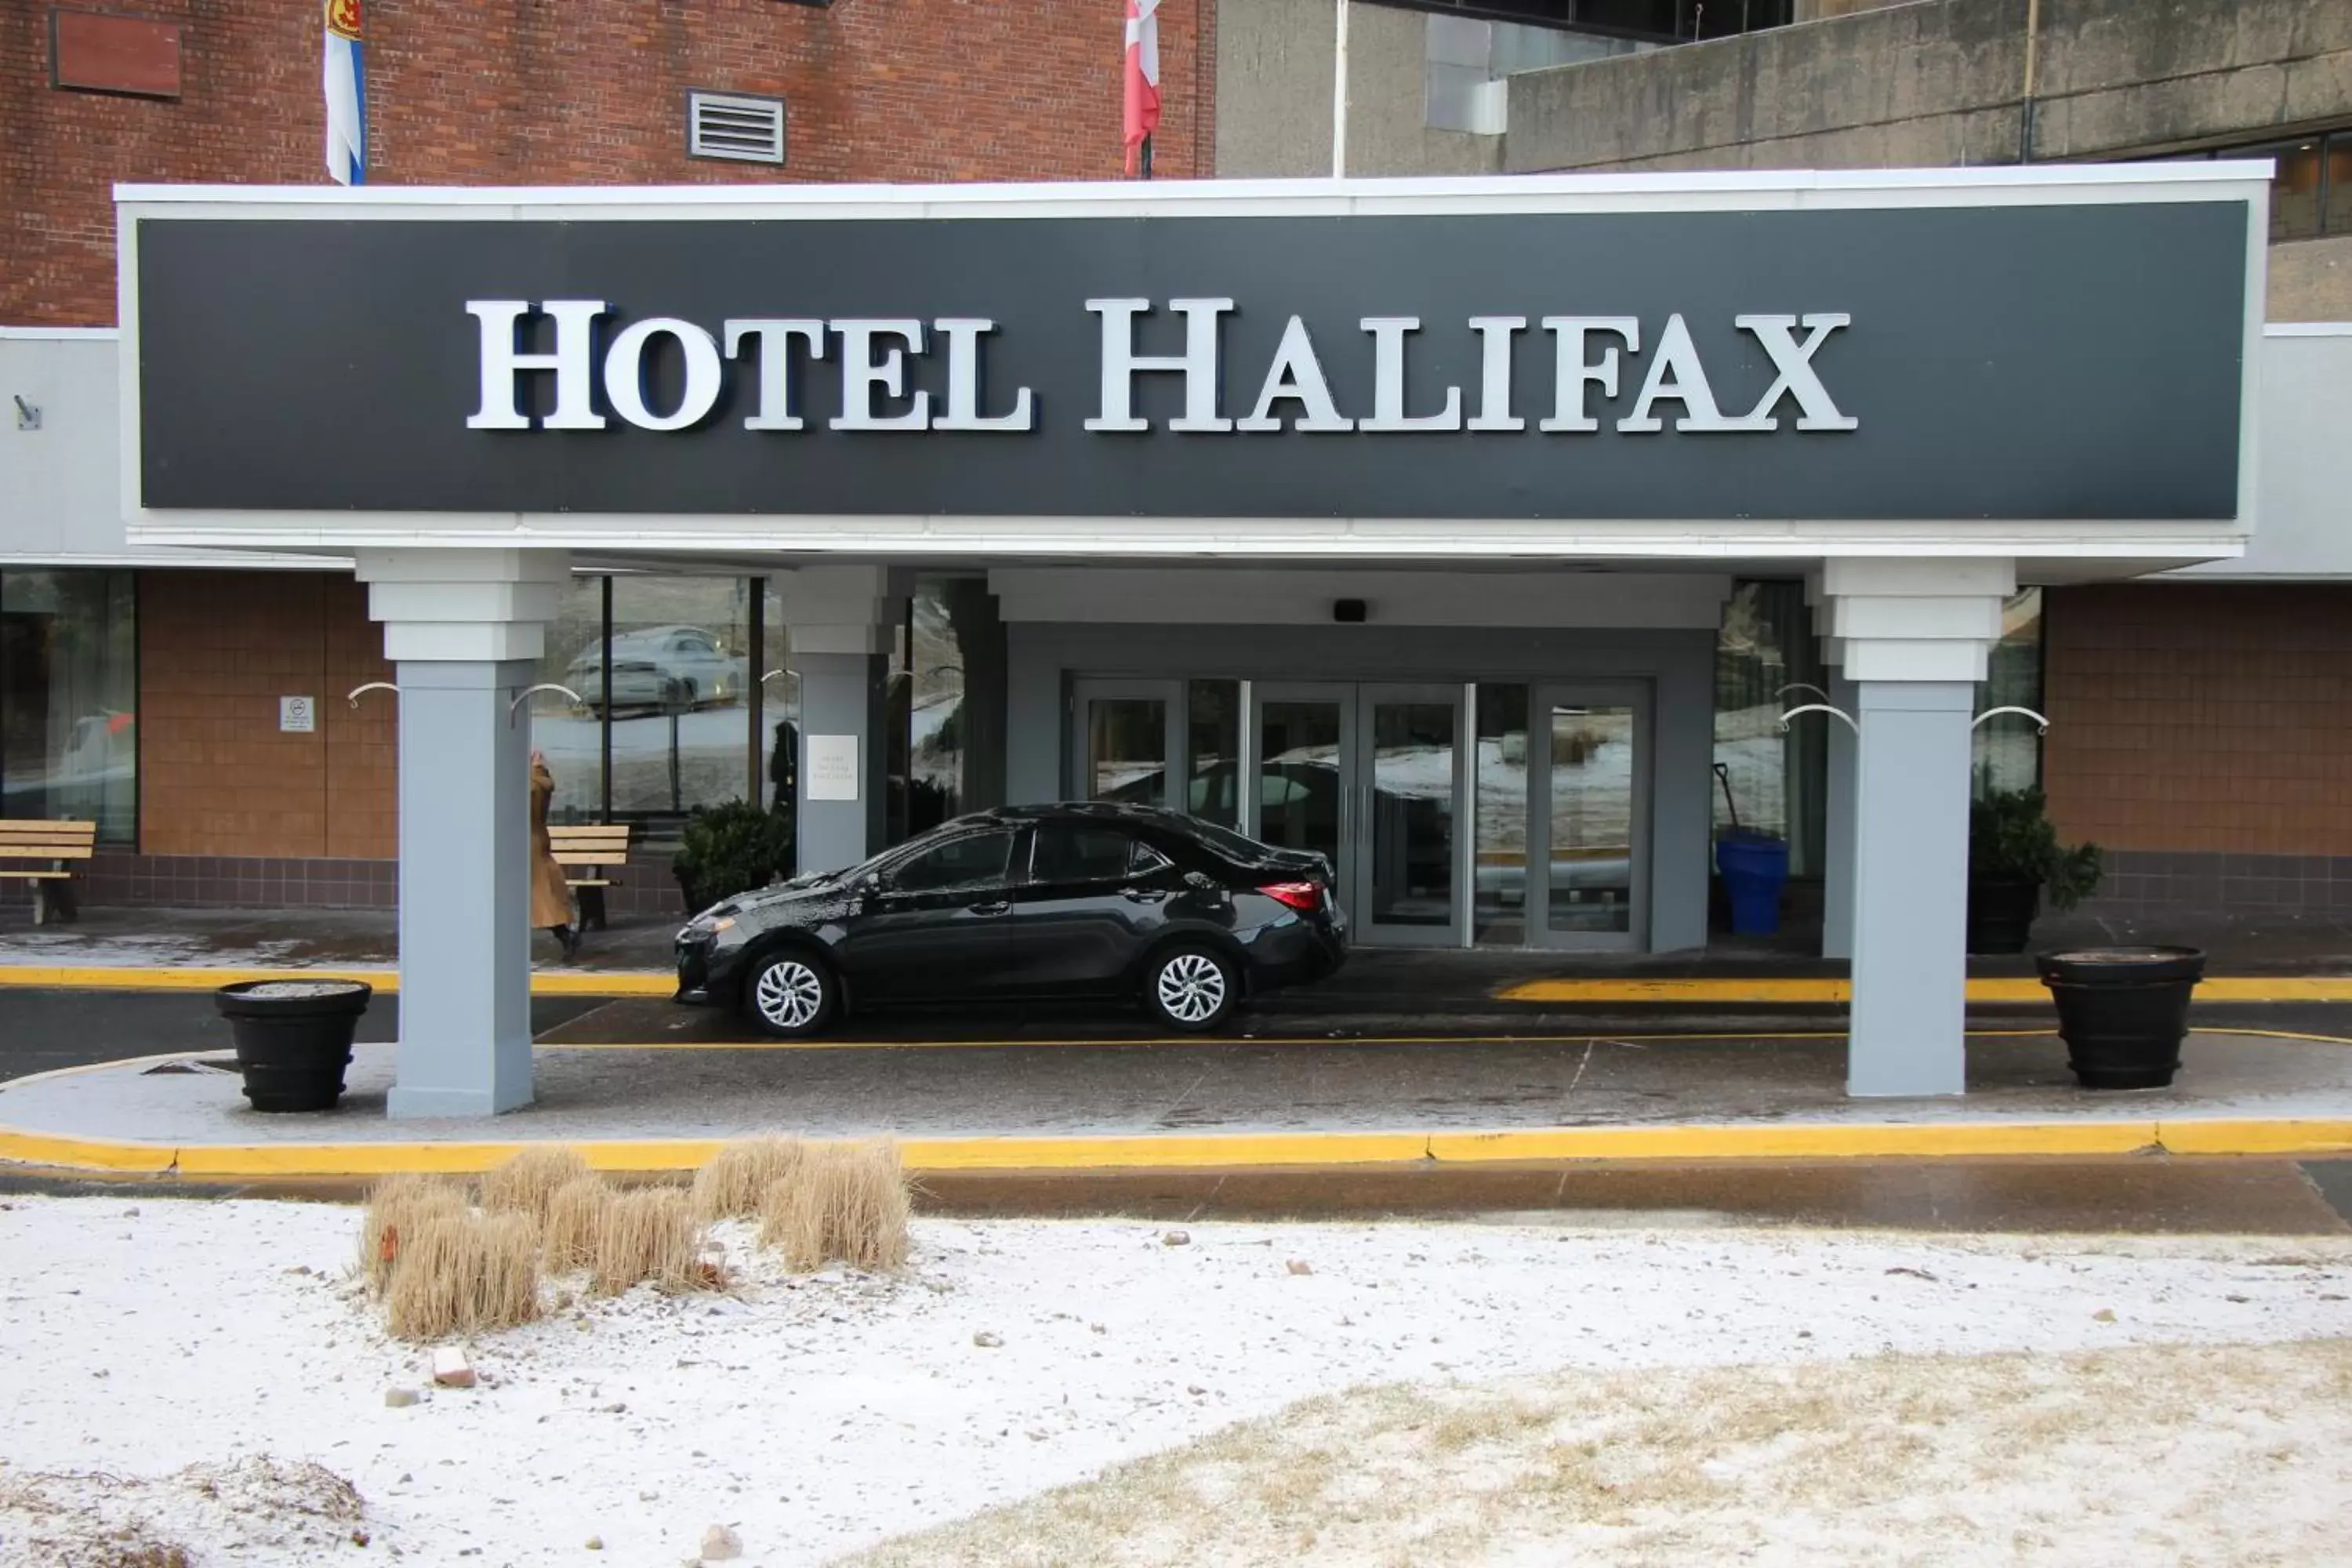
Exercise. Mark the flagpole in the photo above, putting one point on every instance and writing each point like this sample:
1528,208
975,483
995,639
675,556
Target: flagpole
1340,94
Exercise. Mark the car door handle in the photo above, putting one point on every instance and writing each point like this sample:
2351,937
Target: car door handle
1143,895
994,906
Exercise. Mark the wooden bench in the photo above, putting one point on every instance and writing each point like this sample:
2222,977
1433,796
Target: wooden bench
596,849
51,843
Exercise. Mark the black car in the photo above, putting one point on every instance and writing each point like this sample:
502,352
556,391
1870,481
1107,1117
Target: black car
1096,901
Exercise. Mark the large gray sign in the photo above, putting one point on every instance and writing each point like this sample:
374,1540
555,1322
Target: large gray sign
2013,362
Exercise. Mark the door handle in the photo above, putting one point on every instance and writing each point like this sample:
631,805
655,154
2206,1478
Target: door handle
1142,896
994,907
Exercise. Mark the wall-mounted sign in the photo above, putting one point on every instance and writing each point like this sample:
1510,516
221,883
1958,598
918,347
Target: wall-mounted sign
831,767
298,715
1993,357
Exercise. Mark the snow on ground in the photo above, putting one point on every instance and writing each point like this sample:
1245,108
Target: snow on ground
816,1417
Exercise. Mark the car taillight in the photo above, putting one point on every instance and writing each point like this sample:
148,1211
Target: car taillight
1304,897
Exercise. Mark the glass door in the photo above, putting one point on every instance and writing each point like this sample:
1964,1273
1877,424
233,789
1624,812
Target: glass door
1306,794
1408,786
1589,817
1129,735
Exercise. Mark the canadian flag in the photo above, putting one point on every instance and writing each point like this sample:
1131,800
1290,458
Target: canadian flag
1142,77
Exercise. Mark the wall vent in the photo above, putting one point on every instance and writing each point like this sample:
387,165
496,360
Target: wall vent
730,125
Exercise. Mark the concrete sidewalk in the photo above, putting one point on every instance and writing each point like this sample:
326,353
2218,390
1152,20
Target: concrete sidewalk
1215,1105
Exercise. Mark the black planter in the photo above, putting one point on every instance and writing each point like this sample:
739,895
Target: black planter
293,1038
2000,914
2122,1011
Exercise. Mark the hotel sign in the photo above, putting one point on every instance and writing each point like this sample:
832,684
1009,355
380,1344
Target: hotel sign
2002,361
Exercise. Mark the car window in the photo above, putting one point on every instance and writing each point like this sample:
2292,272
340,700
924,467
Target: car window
1069,852
1146,858
976,858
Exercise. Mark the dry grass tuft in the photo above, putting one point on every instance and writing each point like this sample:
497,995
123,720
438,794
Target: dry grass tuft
525,1183
649,1235
396,1207
845,1203
464,1274
575,1213
736,1178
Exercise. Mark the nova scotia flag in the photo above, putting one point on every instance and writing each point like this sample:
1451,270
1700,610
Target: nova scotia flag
346,84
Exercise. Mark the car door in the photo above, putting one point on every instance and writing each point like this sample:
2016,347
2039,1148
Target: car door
1094,896
936,928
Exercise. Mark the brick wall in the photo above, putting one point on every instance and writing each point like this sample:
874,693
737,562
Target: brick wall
217,777
2203,734
587,92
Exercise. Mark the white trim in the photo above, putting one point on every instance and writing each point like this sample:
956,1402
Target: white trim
55,334
2307,329
156,560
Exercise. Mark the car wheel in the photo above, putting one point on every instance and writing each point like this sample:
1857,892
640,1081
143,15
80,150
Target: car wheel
790,994
1189,988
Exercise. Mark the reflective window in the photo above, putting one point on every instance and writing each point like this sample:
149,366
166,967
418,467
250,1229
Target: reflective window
1499,916
1213,749
2311,185
973,859
2006,750
69,699
1767,661
1067,852
567,727
671,687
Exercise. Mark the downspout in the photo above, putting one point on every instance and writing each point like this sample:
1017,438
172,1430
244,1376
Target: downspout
2033,61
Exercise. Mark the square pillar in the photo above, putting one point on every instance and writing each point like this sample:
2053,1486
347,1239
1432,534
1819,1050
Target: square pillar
844,705
465,890
1907,1032
1837,826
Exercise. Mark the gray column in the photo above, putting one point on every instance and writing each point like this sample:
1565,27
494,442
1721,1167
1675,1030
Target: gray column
844,699
1911,863
1837,826
465,890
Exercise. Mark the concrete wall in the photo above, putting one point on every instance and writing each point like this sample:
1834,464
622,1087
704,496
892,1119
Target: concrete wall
2302,495
1273,75
59,494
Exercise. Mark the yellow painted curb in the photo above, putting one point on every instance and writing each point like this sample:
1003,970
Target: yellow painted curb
2282,1138
2216,988
128,977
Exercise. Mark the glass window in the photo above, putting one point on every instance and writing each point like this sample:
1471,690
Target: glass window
1127,750
2008,749
1499,916
972,859
2294,187
671,688
1213,749
1766,779
2337,218
935,786
69,699
780,745
1067,852
571,733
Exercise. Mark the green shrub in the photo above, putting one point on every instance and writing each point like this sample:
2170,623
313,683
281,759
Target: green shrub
731,848
2010,840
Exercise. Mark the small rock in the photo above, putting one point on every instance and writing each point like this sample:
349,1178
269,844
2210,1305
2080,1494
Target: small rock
1176,1239
130,1213
1300,1266
451,1369
360,1538
721,1544
595,1544
1804,1334
1194,1389
987,1341
2242,1299
299,1269
400,1398
2104,1315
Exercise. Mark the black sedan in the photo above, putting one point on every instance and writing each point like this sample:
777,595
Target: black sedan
1026,903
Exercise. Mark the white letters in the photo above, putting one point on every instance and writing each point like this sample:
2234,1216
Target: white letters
1574,372
574,362
1677,357
1794,361
860,376
1388,382
625,373
1295,373
1197,364
1494,372
774,335
963,335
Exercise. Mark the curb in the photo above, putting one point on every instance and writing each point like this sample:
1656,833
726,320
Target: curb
133,977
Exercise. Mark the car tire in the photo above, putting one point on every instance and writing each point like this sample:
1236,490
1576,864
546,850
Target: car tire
1191,988
790,994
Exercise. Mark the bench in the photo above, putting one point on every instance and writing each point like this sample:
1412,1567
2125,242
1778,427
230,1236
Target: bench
596,849
51,843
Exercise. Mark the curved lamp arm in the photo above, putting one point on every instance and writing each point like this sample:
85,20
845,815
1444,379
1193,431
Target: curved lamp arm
352,697
529,691
2041,725
1803,686
1820,708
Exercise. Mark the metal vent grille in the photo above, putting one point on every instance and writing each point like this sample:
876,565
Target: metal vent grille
728,125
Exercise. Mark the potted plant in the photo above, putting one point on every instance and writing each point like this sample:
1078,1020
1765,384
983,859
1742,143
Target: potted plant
2014,857
293,1038
2122,1011
728,849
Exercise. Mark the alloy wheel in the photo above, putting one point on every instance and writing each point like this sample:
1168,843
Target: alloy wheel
789,994
1191,987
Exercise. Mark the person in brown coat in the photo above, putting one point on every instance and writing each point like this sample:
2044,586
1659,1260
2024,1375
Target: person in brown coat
551,897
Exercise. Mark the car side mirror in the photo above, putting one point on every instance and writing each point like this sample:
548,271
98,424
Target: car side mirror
870,885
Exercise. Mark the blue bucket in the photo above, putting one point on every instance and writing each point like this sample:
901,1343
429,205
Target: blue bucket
1755,868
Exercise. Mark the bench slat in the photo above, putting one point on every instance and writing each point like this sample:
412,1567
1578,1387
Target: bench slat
37,876
21,827
590,882
590,857
619,831
45,851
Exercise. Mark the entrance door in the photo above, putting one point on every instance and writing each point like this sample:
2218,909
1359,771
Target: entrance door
1129,739
1369,777
1587,820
